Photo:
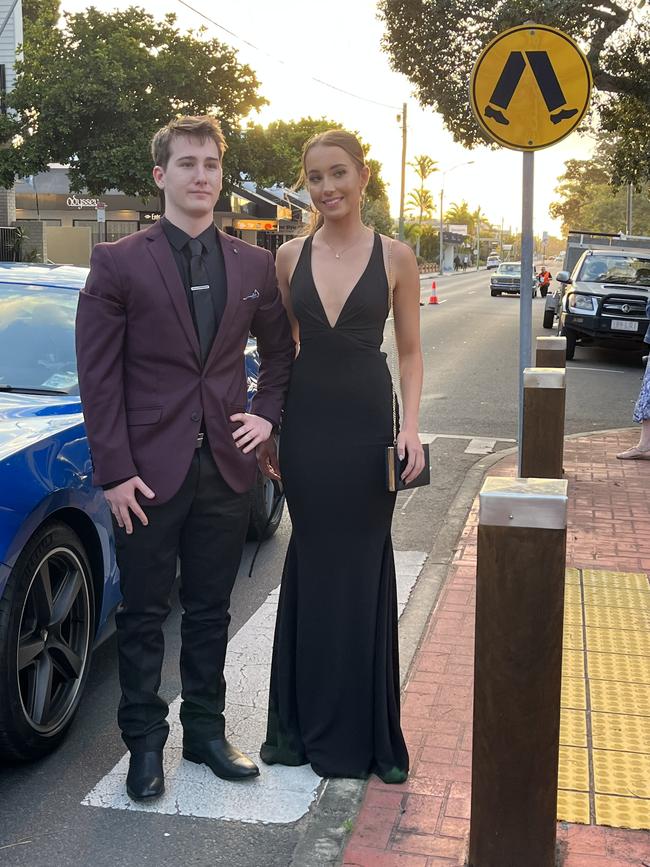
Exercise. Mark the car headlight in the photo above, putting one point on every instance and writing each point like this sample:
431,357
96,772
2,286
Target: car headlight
582,303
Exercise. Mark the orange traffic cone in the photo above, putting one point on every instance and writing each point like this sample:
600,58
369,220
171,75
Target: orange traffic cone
433,298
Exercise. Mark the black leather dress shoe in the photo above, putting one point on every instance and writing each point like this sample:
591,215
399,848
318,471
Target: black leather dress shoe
145,778
222,758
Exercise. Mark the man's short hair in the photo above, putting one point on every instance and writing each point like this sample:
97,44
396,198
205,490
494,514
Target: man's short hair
201,127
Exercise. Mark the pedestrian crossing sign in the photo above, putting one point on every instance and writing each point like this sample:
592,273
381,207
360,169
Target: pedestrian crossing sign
530,87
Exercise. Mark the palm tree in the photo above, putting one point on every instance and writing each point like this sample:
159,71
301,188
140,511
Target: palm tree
461,215
420,198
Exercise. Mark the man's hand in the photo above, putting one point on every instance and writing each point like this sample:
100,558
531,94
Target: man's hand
267,459
253,431
122,502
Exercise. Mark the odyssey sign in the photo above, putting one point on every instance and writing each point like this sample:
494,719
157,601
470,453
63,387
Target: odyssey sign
74,202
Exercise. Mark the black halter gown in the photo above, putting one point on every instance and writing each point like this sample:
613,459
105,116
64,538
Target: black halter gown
334,699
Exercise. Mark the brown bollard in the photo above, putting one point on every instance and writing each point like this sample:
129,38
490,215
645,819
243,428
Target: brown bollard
550,352
542,439
517,672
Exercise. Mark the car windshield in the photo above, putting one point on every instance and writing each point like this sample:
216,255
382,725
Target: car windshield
626,270
510,268
37,348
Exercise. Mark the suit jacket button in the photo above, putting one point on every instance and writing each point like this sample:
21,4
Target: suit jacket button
195,416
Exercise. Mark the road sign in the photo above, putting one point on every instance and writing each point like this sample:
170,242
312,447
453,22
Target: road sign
530,87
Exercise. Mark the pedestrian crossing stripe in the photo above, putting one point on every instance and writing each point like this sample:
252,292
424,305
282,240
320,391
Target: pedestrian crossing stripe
530,87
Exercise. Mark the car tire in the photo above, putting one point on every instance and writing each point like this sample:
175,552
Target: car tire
47,628
571,338
494,293
549,318
267,508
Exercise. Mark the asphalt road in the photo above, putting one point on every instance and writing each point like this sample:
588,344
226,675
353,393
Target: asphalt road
470,392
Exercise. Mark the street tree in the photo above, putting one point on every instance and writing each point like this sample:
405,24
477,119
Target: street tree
421,201
92,93
588,201
461,215
435,44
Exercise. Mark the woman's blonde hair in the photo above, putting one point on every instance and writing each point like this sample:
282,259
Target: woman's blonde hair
330,138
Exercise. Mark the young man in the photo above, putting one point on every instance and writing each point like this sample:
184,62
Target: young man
162,326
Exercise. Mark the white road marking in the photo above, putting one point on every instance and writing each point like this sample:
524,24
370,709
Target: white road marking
280,794
431,437
597,369
480,446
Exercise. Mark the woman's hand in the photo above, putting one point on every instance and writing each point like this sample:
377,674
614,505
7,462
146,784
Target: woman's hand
267,459
409,446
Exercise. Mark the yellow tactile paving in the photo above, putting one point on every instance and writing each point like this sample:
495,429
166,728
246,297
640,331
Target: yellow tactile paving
619,773
572,595
573,638
572,576
622,812
618,641
617,666
574,694
573,807
573,663
615,579
616,597
573,728
572,615
573,772
610,696
605,714
617,731
617,618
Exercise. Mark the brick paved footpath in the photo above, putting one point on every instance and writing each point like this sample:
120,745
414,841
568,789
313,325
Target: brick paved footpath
605,738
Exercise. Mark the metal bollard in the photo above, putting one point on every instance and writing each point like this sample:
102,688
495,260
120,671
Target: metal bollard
517,672
542,440
550,352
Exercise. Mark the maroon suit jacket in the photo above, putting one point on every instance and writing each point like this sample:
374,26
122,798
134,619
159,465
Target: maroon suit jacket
143,389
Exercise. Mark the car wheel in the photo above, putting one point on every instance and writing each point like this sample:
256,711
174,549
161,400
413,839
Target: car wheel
571,338
266,509
46,634
494,293
549,318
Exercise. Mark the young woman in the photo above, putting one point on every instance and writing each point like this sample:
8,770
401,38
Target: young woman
334,698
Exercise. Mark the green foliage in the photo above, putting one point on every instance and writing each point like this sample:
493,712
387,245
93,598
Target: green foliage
92,94
436,42
588,201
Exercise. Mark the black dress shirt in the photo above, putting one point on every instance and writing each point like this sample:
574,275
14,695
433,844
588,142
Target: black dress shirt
213,259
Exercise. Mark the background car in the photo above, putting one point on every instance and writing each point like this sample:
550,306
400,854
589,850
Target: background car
492,261
507,280
59,581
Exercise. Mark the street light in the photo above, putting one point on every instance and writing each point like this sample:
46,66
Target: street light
442,185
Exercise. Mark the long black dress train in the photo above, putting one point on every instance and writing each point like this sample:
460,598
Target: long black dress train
334,699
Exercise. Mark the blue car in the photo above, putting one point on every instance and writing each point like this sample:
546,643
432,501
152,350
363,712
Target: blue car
59,582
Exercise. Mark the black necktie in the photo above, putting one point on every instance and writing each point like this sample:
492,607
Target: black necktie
204,314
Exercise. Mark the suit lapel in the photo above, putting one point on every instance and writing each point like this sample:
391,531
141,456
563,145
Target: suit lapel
164,259
232,261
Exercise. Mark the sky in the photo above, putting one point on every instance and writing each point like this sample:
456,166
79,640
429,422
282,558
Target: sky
338,42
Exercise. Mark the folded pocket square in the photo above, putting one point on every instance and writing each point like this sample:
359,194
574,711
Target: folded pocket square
252,297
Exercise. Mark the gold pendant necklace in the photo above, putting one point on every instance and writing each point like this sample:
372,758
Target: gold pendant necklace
337,255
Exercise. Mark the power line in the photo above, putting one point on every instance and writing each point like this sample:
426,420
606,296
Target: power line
282,62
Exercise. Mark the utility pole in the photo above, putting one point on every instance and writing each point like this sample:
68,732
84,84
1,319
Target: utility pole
628,215
401,197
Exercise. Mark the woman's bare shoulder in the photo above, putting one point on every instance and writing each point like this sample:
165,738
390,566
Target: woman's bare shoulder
290,250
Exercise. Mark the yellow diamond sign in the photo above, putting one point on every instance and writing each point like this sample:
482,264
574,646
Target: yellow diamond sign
530,87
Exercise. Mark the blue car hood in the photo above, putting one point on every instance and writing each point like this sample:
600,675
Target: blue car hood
27,418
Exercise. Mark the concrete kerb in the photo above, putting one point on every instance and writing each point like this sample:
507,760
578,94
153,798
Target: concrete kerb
325,834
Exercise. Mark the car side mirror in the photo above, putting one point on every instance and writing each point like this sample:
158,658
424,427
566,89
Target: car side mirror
563,277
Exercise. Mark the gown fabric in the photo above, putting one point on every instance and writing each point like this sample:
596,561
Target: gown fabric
334,694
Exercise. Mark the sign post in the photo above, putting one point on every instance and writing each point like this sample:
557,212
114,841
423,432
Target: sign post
530,88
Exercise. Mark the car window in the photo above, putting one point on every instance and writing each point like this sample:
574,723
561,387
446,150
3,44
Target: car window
37,347
628,270
509,268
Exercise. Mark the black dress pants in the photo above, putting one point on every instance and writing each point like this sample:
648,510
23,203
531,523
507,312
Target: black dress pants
205,525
